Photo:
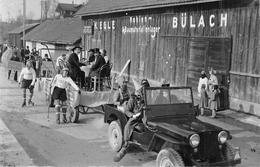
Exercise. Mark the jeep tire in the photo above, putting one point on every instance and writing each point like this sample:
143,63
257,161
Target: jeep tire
170,158
229,153
115,135
73,114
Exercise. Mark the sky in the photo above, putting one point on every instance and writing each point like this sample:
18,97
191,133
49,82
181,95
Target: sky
12,8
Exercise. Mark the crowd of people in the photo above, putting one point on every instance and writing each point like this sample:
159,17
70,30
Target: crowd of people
71,63
24,55
95,60
69,73
208,92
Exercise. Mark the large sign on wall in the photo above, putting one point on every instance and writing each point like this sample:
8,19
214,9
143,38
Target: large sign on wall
153,24
185,20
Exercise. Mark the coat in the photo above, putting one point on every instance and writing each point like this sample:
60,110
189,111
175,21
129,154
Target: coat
98,63
213,102
203,99
74,65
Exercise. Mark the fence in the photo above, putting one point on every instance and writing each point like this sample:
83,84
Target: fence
14,69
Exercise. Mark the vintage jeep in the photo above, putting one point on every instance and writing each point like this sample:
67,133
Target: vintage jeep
172,130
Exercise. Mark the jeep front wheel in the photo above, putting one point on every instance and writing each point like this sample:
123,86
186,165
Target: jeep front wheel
169,158
229,153
115,136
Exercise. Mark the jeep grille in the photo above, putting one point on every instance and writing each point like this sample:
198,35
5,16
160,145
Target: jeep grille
208,148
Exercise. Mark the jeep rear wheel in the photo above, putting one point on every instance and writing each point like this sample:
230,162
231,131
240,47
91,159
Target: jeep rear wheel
115,136
169,158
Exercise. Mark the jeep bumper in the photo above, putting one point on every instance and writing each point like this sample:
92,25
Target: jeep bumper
235,160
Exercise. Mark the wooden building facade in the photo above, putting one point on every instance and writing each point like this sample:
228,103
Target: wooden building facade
16,35
176,40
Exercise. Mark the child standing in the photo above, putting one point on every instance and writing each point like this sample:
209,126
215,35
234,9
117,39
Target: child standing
203,99
27,79
61,82
213,101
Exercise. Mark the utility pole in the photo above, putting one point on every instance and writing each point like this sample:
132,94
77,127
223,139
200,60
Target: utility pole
24,19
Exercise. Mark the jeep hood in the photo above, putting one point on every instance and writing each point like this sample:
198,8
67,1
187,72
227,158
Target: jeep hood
183,127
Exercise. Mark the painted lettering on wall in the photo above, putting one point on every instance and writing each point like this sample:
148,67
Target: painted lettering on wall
190,21
141,24
105,25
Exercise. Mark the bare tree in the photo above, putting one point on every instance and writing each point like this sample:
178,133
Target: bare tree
45,6
52,10
48,8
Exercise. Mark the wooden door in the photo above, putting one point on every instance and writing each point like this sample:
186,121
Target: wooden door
204,54
197,62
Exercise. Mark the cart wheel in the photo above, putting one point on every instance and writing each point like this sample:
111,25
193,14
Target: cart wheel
169,158
115,136
73,114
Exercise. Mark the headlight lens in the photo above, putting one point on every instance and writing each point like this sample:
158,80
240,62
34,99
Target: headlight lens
194,140
222,137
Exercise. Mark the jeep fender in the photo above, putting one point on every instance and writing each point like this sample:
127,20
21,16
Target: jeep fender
111,114
159,140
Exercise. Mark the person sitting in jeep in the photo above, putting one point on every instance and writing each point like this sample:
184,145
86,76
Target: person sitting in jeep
162,98
144,84
133,112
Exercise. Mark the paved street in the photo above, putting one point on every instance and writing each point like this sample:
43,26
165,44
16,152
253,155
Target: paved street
27,138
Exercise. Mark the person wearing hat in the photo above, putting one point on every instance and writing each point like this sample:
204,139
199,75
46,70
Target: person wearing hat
27,80
74,65
61,82
91,57
97,64
144,84
133,112
122,96
103,53
203,80
60,63
165,83
213,80
46,58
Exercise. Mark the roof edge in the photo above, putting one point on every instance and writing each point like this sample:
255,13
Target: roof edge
145,7
53,42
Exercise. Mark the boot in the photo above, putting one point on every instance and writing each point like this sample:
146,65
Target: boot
58,118
64,119
24,104
30,103
213,114
202,111
120,154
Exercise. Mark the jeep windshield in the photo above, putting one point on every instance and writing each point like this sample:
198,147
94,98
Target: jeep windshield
168,95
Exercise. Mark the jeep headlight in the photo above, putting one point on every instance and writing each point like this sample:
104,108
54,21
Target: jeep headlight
194,140
222,137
